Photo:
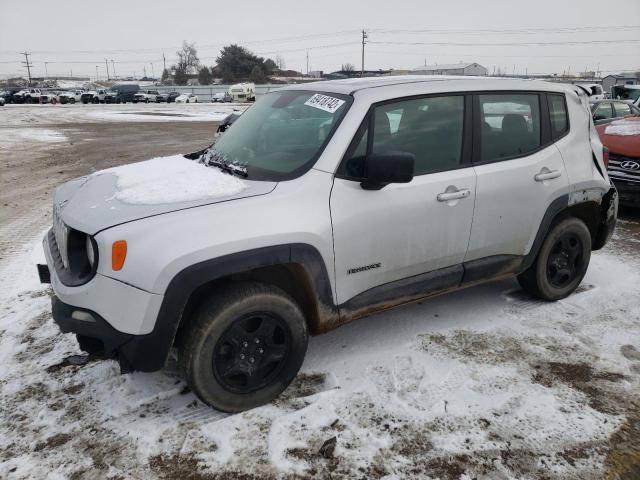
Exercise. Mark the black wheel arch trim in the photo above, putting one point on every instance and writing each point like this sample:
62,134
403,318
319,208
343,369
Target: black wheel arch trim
149,352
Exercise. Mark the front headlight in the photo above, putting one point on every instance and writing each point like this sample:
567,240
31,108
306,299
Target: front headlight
91,253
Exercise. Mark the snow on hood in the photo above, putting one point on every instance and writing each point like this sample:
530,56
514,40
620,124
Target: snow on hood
153,187
172,179
623,128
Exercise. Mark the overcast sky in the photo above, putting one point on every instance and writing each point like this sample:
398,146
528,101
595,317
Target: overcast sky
77,35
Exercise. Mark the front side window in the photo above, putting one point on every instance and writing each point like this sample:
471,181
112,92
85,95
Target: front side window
510,125
282,133
429,128
558,115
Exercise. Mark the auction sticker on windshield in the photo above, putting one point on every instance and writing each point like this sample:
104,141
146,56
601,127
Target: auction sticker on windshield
324,102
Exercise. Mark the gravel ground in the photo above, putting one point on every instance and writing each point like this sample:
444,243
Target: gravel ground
484,383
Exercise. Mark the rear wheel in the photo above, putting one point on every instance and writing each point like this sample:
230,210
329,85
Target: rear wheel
561,263
72,101
243,347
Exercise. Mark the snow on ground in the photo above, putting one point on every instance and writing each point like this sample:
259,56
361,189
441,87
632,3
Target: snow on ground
44,135
482,383
19,115
171,179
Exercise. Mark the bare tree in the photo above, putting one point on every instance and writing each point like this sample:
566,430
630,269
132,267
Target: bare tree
280,62
187,58
348,67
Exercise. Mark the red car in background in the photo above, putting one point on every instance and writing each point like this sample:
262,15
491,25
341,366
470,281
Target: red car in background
622,138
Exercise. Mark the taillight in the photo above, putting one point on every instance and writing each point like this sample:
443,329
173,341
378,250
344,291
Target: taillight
605,156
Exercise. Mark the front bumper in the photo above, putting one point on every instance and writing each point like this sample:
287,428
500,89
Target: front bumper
120,316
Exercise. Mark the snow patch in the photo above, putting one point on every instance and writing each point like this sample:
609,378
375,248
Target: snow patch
172,179
41,135
623,128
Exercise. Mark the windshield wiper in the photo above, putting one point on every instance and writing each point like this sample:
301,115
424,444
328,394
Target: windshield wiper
232,168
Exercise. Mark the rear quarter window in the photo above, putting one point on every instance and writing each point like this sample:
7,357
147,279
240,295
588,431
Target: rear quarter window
558,115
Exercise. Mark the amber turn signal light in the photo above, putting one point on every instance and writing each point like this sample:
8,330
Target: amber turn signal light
118,255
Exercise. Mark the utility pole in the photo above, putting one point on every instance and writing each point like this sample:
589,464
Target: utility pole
27,64
144,69
113,68
96,73
164,63
364,38
46,71
152,72
106,63
307,62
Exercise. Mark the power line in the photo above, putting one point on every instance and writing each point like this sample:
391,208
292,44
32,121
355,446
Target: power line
510,44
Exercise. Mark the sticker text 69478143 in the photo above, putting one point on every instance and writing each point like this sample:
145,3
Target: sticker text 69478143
324,102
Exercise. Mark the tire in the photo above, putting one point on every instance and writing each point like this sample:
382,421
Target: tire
146,100
561,263
72,101
95,100
28,100
187,101
236,324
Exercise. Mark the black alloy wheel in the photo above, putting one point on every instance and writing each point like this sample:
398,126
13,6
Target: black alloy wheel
563,260
251,352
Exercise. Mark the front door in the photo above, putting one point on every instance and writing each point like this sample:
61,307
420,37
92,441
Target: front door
403,230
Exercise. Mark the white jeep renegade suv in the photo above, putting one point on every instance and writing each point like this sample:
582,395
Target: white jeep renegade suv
324,203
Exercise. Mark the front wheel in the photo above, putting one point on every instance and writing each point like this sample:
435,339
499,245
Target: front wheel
561,263
243,347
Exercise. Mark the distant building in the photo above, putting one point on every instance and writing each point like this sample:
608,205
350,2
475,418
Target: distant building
451,69
621,79
316,73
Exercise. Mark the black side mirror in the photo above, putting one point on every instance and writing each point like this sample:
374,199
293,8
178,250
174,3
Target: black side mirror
385,168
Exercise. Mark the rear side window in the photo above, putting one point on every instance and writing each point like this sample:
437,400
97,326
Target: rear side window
510,125
558,115
621,109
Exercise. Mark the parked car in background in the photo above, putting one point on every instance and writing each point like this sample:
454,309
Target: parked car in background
9,93
94,96
171,96
146,96
2,101
28,95
332,201
604,111
593,90
626,92
223,97
187,98
49,97
243,92
162,97
71,96
122,93
622,138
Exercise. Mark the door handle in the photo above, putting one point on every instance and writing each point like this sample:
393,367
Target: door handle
546,174
448,196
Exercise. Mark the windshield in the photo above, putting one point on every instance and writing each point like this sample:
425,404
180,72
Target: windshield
282,134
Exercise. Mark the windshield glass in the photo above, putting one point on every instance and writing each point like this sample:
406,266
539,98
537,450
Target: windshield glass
282,133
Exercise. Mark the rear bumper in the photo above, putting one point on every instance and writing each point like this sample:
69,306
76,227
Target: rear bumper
628,192
608,218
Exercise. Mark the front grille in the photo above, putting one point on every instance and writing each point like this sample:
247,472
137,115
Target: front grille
624,168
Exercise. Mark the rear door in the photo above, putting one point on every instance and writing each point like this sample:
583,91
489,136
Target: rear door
403,230
520,172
